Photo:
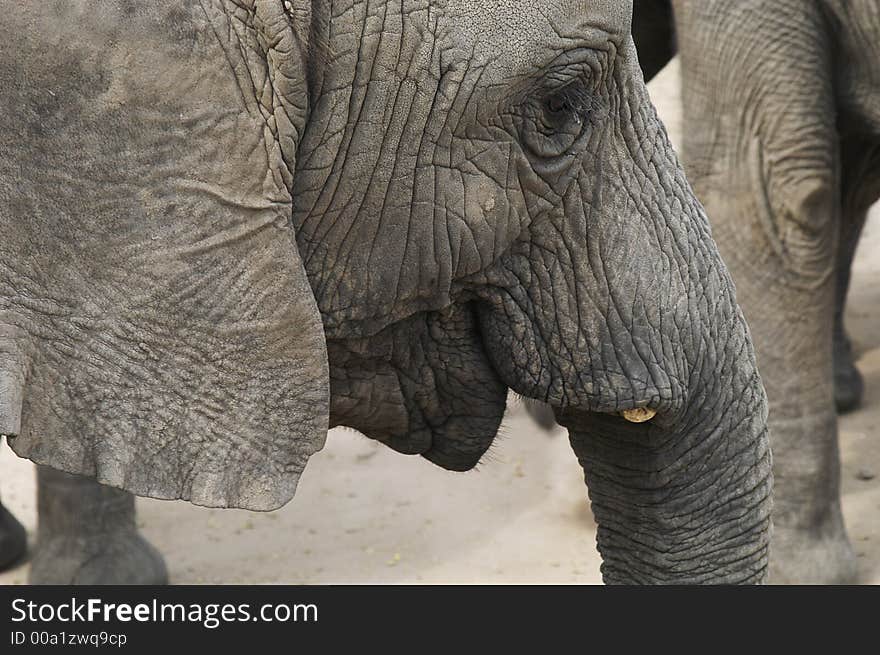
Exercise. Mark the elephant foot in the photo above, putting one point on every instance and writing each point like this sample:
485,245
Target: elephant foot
87,535
848,384
110,559
799,557
13,539
848,387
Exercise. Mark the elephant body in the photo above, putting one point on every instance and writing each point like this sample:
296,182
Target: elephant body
229,225
781,101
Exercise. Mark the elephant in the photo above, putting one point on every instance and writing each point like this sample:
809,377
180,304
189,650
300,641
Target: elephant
782,106
228,226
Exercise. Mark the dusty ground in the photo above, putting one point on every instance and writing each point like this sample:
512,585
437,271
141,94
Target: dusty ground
364,514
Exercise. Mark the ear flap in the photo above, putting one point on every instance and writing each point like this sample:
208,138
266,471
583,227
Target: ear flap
157,330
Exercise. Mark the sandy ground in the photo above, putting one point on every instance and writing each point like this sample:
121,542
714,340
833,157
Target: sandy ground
364,514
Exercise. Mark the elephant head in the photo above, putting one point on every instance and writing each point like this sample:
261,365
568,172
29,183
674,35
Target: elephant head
226,224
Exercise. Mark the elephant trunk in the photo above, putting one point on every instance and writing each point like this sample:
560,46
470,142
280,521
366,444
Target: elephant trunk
684,497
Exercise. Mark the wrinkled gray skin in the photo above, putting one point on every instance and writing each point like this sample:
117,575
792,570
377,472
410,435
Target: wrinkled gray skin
470,196
787,178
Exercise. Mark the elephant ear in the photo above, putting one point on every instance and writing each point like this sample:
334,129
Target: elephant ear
157,331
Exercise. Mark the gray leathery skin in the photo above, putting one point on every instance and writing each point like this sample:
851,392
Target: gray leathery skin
472,216
782,145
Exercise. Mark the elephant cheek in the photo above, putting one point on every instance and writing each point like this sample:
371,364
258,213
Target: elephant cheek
423,387
367,398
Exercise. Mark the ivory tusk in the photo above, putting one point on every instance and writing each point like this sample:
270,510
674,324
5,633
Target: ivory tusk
639,414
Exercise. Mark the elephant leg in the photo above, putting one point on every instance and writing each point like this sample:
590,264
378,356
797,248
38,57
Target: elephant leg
782,251
769,173
13,539
87,535
793,335
848,383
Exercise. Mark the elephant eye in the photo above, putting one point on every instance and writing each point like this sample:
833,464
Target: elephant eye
554,125
557,104
570,103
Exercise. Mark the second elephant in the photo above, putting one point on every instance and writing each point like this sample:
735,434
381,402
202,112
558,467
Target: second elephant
782,144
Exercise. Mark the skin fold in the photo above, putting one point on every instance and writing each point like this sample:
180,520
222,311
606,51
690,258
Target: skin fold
782,146
471,216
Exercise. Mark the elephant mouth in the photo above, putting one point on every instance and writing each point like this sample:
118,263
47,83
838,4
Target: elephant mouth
583,422
526,364
436,384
